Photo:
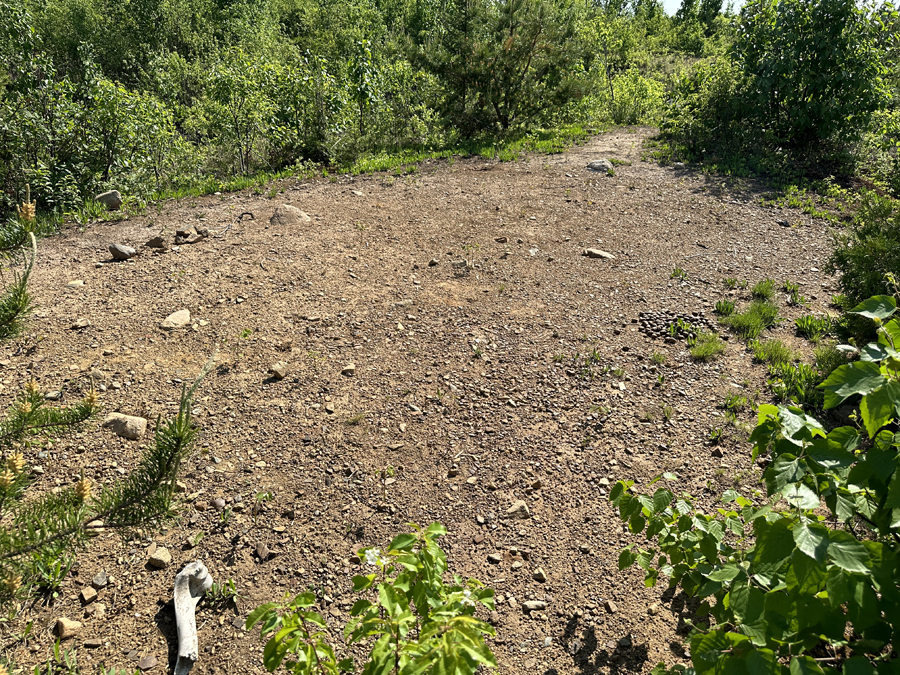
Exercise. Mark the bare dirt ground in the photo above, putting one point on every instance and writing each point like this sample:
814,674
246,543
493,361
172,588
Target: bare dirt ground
467,386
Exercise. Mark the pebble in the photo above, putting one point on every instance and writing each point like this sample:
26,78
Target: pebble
262,551
218,504
597,253
534,605
519,510
540,575
178,319
148,662
610,606
66,628
100,580
156,242
120,252
88,595
81,322
160,558
279,370
348,370
76,283
126,426
93,643
495,558
601,166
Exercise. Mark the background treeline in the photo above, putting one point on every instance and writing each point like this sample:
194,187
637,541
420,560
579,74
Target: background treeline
153,95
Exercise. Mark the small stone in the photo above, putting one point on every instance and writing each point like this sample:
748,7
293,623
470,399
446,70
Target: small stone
262,551
53,395
120,252
495,558
178,319
610,607
597,253
99,610
66,628
148,662
279,370
501,240
88,595
126,426
653,610
625,642
157,242
433,262
534,605
602,166
717,452
75,283
537,485
348,370
218,504
519,511
329,408
100,580
287,215
112,199
81,322
160,558
540,575
93,643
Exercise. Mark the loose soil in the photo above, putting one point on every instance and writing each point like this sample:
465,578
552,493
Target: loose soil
469,382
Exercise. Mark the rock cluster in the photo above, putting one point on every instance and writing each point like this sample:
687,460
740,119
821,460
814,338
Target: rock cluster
673,325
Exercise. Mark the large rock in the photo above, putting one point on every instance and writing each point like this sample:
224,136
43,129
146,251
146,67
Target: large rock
178,319
602,166
287,215
120,252
66,628
111,200
126,426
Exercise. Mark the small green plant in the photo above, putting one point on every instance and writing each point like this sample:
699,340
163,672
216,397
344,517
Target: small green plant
828,358
813,328
764,290
750,323
796,383
790,287
725,307
735,402
658,358
678,273
796,300
668,412
706,346
559,358
355,419
730,283
715,436
771,351
221,595
418,622
384,474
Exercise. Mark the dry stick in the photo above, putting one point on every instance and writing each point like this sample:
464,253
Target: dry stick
240,217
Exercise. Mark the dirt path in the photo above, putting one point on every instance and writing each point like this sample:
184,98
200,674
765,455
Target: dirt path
466,385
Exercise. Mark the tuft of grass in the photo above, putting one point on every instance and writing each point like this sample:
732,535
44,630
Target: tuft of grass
796,383
764,290
813,328
658,358
827,358
771,351
678,273
356,419
725,307
730,283
790,287
750,323
706,346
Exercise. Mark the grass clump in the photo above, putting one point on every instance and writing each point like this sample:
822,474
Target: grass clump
771,351
706,346
725,307
750,323
827,358
764,290
658,358
813,328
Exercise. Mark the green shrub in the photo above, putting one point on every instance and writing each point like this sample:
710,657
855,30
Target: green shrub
764,290
771,351
725,307
796,383
414,621
813,328
868,249
635,99
782,587
828,358
750,323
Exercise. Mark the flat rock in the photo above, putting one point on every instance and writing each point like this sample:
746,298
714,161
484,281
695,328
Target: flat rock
610,607
601,166
534,605
126,426
597,253
67,628
348,370
93,643
160,558
112,199
88,595
156,242
287,215
178,319
540,575
120,252
279,370
518,511
81,322
100,580
148,662
495,558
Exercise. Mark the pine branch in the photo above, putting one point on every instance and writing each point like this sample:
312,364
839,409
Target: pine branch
15,303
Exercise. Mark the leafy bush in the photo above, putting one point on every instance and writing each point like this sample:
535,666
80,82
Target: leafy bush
635,99
796,383
784,587
750,323
418,622
868,249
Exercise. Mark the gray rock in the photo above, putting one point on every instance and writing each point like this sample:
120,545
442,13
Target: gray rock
157,242
602,166
126,426
160,558
519,511
178,319
534,605
148,662
610,606
100,580
120,252
348,370
495,558
112,199
597,253
287,215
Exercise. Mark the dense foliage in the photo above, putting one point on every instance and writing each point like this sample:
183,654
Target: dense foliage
168,95
807,580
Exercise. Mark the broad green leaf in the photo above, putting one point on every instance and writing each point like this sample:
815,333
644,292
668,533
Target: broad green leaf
847,552
858,665
436,530
794,420
661,500
774,541
893,496
859,377
874,352
724,573
892,328
829,453
801,497
258,613
805,665
876,307
878,407
402,542
762,662
786,468
813,541
627,558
